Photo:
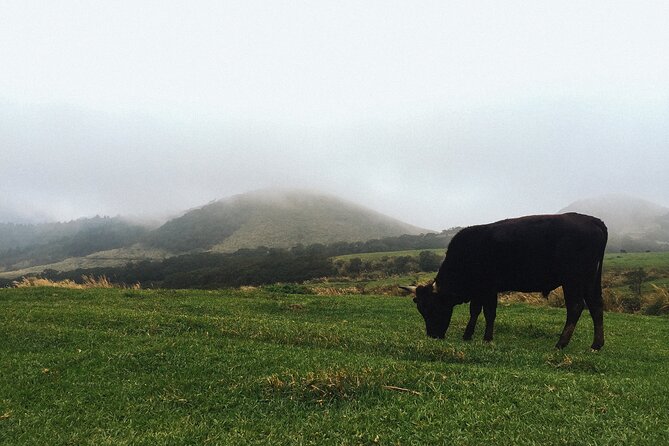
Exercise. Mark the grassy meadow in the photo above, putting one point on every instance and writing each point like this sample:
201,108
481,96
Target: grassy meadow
252,366
613,262
380,255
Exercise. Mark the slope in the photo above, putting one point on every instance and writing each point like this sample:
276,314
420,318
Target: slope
283,218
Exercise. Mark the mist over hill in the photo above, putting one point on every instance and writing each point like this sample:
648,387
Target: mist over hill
282,218
634,224
26,245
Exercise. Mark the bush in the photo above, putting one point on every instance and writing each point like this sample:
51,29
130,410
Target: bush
630,303
657,303
556,298
403,265
635,280
611,300
428,261
354,266
621,303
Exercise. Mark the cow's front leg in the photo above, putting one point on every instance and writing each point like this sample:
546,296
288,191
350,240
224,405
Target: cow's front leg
475,307
490,312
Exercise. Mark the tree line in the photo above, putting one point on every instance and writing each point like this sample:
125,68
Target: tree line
264,265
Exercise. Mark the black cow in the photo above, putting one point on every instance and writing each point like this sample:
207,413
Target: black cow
531,254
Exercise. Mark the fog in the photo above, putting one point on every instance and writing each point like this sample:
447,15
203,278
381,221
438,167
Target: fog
437,113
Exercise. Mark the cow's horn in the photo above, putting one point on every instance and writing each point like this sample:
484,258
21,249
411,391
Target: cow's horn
435,287
411,289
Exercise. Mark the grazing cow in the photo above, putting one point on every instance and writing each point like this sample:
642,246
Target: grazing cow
531,254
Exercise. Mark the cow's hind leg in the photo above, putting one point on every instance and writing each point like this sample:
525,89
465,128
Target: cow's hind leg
573,298
490,312
596,308
475,307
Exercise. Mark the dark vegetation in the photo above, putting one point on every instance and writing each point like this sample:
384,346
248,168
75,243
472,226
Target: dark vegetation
198,229
270,265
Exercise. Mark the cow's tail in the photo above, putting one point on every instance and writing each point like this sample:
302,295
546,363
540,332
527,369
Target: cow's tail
600,258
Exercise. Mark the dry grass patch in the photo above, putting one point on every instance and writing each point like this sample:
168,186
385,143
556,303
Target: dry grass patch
322,386
555,298
87,282
332,291
327,386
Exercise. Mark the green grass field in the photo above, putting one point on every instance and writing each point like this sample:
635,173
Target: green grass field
380,255
612,261
633,260
110,367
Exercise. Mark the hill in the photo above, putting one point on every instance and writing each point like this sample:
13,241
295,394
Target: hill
634,224
25,245
279,219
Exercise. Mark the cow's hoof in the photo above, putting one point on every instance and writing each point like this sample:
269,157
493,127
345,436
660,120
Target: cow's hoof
596,347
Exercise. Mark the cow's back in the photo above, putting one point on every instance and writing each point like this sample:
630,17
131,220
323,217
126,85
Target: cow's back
534,253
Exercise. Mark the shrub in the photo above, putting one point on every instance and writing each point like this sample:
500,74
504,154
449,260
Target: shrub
429,261
657,303
556,298
611,300
354,266
403,265
635,280
630,303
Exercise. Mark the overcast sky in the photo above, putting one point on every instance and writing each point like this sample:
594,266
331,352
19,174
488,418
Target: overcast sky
439,113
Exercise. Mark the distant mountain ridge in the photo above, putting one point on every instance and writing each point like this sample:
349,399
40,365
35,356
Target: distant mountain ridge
25,245
276,218
272,218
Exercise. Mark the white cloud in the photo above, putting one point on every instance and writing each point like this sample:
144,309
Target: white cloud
442,113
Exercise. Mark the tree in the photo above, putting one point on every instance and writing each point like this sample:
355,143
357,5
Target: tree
355,266
428,261
635,280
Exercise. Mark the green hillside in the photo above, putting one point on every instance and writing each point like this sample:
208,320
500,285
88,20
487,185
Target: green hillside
275,219
121,367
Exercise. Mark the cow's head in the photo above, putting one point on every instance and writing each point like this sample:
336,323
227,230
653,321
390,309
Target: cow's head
435,309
